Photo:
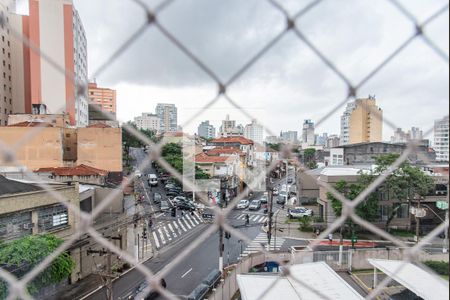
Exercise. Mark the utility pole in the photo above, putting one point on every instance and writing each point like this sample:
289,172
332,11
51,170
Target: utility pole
269,232
221,244
109,277
418,220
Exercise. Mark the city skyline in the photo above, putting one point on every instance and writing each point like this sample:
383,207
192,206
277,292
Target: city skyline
175,79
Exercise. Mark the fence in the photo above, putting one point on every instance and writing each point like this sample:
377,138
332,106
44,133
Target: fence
17,286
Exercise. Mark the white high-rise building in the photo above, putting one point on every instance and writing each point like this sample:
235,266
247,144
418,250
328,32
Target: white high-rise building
254,132
229,128
308,135
289,137
441,146
206,130
6,104
168,116
345,123
148,121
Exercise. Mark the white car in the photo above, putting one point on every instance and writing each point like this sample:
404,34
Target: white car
243,204
275,192
299,212
137,174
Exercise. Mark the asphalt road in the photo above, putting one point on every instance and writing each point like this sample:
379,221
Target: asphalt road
196,265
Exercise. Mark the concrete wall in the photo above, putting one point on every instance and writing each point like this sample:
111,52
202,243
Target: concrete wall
100,148
41,149
32,201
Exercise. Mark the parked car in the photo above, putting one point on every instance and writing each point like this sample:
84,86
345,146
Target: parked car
243,204
170,186
255,205
157,198
186,205
199,292
299,212
281,200
213,278
275,192
290,180
264,199
152,180
137,174
178,199
165,205
172,193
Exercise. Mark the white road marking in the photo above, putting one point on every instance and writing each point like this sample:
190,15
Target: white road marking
192,223
182,226
173,231
167,233
198,216
161,235
241,217
185,274
155,237
194,219
177,228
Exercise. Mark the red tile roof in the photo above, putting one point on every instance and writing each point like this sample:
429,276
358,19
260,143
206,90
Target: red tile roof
31,124
233,140
203,158
81,170
219,151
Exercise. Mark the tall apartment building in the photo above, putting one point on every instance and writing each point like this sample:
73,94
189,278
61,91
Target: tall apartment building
168,116
289,137
148,121
333,141
56,28
6,102
441,146
308,135
229,128
400,136
254,132
206,130
362,122
105,99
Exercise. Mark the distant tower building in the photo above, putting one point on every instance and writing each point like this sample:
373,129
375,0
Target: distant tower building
333,141
308,136
148,121
6,102
168,117
362,122
206,130
290,137
229,128
254,132
103,98
416,134
441,146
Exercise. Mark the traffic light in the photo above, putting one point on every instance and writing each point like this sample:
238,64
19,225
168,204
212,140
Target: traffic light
174,212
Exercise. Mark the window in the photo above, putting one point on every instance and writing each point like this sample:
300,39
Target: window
53,217
403,210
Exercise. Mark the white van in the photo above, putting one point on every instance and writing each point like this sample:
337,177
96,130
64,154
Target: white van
152,180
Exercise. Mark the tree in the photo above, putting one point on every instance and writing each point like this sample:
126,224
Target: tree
20,256
130,140
405,184
309,158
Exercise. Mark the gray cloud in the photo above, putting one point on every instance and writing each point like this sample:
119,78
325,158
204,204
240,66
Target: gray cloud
290,80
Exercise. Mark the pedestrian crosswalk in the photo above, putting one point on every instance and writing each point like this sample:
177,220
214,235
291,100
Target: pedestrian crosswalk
168,231
261,242
253,218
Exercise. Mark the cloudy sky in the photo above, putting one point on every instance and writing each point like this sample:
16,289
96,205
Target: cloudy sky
287,85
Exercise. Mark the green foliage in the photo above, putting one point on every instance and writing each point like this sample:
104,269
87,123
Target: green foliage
130,140
276,147
309,158
440,267
306,223
404,184
173,154
25,253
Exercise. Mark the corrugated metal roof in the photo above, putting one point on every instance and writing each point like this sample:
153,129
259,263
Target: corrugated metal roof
318,276
421,282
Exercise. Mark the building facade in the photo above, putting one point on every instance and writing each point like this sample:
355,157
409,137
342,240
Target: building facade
105,99
254,132
168,117
308,135
148,121
333,141
56,28
400,136
289,137
6,104
362,122
206,130
441,146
